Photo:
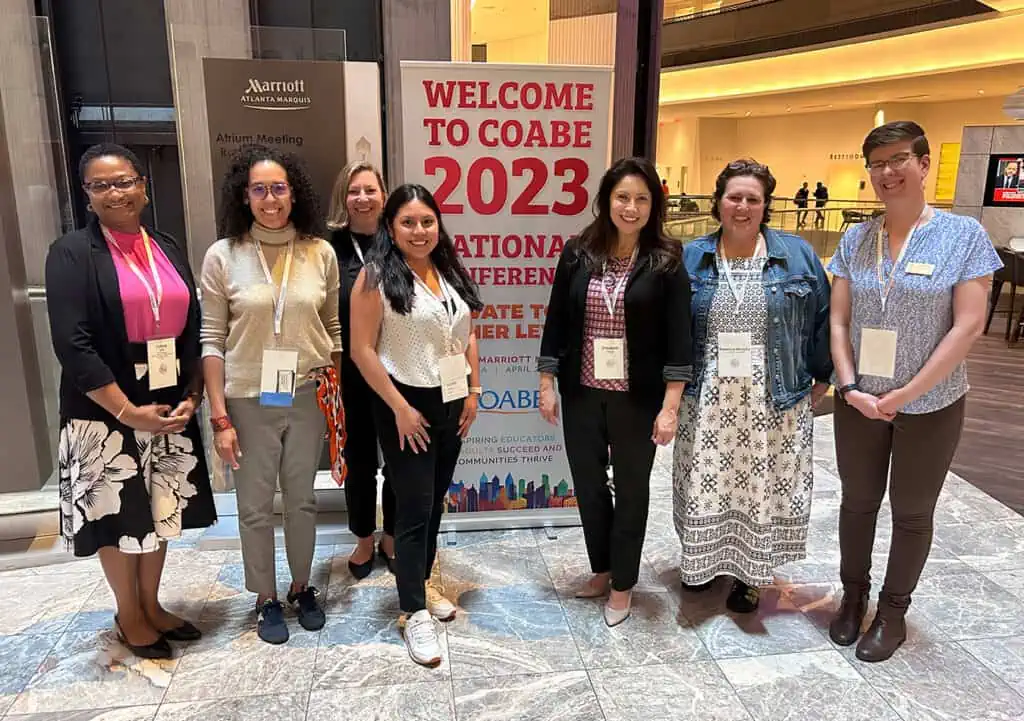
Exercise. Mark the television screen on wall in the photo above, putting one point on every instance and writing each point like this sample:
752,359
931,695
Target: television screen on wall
1005,184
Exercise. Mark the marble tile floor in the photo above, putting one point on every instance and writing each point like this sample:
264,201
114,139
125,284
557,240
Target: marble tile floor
523,649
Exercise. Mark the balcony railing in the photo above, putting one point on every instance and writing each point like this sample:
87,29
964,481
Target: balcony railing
725,7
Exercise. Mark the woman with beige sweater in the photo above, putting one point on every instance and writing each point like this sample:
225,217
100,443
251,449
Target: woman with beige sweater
270,326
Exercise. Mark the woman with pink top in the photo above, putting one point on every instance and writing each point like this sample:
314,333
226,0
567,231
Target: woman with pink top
124,319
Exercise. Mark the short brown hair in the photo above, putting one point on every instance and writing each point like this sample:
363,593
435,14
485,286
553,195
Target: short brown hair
337,216
897,131
744,167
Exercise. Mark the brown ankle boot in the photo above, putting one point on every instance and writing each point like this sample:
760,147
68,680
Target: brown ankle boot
885,635
845,627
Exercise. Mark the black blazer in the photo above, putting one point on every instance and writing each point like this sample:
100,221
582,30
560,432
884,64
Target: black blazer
657,307
87,322
348,267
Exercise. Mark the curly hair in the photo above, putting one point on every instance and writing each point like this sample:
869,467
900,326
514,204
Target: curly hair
597,240
744,168
236,217
103,150
387,269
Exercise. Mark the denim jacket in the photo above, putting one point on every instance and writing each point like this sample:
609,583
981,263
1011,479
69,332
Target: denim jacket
798,293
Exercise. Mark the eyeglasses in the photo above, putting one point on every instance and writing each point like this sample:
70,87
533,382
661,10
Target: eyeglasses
259,190
99,187
896,162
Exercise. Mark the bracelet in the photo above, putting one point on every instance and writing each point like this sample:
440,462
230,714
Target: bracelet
123,409
221,423
843,390
476,391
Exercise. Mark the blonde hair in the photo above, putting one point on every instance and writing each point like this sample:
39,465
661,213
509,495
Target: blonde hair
337,216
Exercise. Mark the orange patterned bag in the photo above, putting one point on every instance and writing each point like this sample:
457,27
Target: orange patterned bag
328,397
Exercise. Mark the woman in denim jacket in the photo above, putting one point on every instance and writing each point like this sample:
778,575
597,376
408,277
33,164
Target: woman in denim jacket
743,456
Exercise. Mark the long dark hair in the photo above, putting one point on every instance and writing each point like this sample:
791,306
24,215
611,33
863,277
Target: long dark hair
235,214
597,240
386,267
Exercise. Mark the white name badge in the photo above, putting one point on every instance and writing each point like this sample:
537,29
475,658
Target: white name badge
277,377
609,359
925,269
161,357
454,381
877,353
735,355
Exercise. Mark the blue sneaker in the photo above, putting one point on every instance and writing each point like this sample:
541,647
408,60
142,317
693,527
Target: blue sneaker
270,625
308,609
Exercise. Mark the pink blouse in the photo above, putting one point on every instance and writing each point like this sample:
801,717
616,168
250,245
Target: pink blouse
138,314
598,324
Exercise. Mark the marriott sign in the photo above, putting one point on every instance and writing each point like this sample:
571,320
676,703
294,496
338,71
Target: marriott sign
276,95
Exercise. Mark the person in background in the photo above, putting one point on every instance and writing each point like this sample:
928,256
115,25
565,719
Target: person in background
909,299
801,202
124,320
1011,175
413,341
743,466
356,204
617,336
270,328
820,199
664,188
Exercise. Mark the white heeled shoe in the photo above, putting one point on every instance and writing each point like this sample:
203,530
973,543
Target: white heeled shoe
615,616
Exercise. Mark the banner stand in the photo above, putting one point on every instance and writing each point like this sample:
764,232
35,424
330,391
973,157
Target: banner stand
514,155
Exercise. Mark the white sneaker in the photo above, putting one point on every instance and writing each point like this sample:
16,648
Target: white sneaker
440,607
421,639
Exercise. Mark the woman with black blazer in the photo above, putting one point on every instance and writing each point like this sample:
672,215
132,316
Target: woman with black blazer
617,336
124,319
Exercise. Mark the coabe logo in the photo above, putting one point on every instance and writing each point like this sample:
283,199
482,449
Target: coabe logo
276,95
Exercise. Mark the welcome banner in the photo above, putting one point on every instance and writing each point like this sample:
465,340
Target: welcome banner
513,155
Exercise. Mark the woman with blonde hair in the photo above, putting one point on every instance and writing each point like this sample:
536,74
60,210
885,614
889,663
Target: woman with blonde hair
356,204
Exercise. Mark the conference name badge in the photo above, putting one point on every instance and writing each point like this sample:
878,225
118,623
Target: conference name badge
162,363
877,353
454,381
925,269
277,377
735,355
609,359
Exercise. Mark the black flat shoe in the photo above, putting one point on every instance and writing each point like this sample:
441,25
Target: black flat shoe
159,649
389,561
184,633
743,598
360,570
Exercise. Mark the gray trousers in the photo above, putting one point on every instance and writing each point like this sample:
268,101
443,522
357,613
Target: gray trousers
278,445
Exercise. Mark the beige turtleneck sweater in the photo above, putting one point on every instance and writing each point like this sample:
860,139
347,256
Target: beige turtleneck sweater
238,305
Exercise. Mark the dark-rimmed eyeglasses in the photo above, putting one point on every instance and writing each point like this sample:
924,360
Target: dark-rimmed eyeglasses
896,162
259,190
99,187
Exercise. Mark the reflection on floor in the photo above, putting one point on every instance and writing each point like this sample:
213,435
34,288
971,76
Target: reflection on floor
523,649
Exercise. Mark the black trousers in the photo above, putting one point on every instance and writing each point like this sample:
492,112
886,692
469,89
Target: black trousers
596,421
361,458
420,482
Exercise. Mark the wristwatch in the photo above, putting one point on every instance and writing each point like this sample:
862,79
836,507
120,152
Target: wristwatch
476,391
843,390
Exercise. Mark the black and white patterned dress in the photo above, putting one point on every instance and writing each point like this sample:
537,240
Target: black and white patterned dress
742,469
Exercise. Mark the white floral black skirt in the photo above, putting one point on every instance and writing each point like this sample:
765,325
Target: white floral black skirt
129,489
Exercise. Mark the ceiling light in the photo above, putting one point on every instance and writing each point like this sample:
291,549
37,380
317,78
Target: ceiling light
747,114
981,92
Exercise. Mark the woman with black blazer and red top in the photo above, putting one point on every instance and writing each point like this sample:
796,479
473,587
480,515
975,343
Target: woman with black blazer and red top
124,320
617,336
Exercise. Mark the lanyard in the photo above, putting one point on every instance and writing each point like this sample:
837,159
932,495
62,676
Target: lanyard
155,298
355,246
885,287
448,304
739,292
611,301
279,301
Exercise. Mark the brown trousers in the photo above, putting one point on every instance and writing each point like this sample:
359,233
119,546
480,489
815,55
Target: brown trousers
921,448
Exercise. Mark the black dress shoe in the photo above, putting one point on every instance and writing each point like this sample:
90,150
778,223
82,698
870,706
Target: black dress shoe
184,633
159,649
885,635
389,561
360,570
743,598
845,627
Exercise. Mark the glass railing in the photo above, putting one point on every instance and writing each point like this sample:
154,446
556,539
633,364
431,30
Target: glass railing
681,10
689,217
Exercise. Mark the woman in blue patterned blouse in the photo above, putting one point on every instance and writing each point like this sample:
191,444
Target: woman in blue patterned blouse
908,302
